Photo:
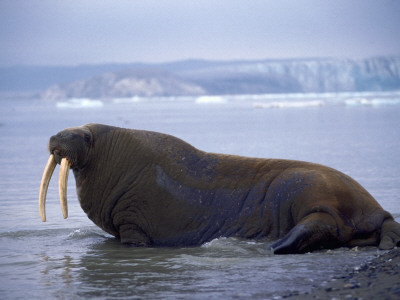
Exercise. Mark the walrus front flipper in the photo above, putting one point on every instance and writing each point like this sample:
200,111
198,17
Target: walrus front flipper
131,234
390,235
316,231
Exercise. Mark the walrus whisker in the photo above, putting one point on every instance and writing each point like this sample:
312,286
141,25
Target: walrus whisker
62,185
48,172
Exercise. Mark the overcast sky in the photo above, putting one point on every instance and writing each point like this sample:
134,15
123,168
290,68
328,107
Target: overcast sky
94,31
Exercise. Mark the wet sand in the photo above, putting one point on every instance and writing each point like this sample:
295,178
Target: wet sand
378,278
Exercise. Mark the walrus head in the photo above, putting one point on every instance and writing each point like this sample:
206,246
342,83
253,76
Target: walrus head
70,148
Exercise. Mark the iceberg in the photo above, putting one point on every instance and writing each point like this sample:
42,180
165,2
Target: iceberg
288,104
371,102
80,103
210,100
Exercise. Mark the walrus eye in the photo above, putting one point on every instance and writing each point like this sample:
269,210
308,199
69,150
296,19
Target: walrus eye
57,157
87,138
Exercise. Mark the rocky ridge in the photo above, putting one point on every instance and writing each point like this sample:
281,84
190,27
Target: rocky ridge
193,78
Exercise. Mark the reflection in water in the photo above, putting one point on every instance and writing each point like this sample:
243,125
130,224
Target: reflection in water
219,268
57,271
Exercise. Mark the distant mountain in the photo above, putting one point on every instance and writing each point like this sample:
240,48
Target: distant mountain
128,83
198,77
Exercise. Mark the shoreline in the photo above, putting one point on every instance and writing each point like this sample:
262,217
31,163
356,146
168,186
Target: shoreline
378,278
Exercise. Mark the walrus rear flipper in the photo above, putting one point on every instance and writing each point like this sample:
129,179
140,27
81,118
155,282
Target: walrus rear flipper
317,230
390,235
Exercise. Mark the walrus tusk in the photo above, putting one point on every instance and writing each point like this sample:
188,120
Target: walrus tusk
48,171
62,185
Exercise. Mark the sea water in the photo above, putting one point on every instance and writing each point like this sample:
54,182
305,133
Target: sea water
358,134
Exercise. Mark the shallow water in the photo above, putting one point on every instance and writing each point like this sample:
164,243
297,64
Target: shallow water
74,259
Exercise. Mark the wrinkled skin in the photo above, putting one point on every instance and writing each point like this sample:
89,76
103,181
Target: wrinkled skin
152,189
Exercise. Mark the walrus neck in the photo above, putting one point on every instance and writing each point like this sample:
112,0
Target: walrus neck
105,170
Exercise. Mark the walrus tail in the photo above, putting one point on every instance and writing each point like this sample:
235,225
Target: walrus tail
390,234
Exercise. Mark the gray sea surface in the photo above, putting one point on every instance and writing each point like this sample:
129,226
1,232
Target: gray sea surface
74,259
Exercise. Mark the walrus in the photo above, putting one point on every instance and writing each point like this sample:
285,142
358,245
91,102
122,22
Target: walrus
151,189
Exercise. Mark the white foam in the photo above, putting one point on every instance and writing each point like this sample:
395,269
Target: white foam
80,103
288,104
